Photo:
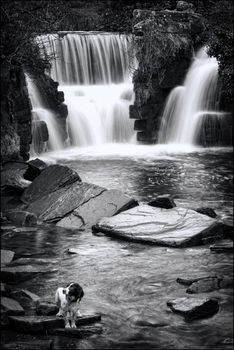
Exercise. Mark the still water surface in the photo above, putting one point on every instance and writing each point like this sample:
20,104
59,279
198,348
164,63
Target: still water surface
129,284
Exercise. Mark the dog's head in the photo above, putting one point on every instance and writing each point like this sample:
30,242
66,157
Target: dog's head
74,292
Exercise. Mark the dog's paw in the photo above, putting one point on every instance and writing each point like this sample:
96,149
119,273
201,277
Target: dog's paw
73,325
67,325
60,314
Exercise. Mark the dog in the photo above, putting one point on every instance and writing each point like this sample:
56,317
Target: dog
68,300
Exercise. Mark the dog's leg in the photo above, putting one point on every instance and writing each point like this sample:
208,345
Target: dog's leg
73,319
67,320
60,313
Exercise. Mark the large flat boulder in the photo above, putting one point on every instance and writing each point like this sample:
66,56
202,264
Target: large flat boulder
54,206
194,308
51,179
17,274
81,332
38,344
108,203
40,324
176,227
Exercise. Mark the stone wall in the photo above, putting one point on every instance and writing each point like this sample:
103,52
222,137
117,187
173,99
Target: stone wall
164,42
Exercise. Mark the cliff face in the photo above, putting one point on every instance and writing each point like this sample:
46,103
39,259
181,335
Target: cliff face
15,114
164,43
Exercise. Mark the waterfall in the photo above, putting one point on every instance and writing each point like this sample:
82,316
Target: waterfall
93,71
188,107
42,114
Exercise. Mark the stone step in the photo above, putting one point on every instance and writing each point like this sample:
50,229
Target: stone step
41,324
81,332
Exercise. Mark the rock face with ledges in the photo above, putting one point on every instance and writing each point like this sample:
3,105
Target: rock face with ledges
106,204
177,227
51,179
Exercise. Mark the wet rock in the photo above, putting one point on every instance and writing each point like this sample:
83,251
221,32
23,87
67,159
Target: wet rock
56,205
177,227
6,256
12,177
54,177
20,217
35,167
72,251
17,274
194,308
207,285
29,345
29,261
142,321
106,204
26,298
81,332
223,246
41,324
46,308
4,318
188,280
207,211
11,306
163,201
5,289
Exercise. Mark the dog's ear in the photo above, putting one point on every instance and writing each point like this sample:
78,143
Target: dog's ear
77,291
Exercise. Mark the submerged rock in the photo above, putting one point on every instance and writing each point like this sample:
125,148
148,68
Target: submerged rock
223,246
188,280
6,256
51,179
206,285
11,306
41,324
177,227
163,201
38,344
21,217
194,308
17,274
106,204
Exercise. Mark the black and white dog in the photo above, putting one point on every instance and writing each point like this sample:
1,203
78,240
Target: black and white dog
68,300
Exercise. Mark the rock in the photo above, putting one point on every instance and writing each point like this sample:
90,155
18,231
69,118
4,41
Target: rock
54,206
4,318
12,176
46,308
54,177
26,298
72,251
108,203
184,6
5,290
188,280
29,345
11,306
177,227
6,256
20,217
206,285
29,261
81,332
194,308
207,211
17,274
142,321
163,201
223,246
41,324
35,167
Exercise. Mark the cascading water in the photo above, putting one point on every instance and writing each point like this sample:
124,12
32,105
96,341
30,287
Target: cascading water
189,105
93,72
40,113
